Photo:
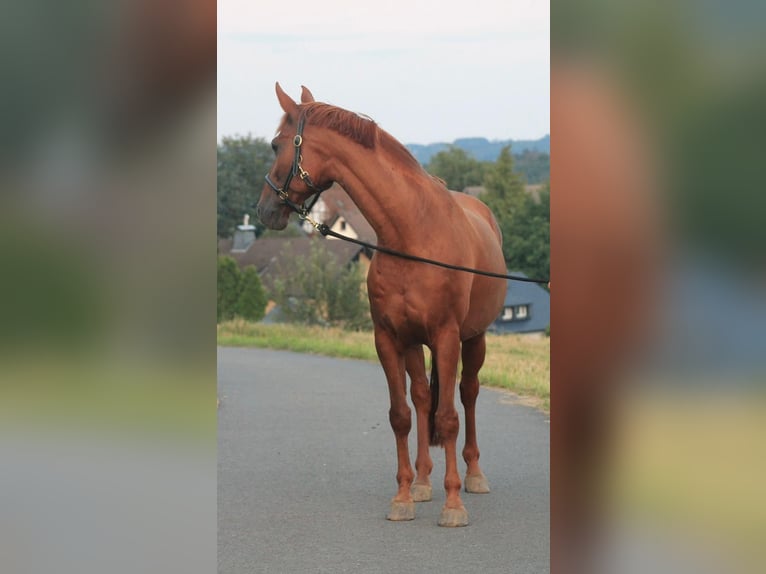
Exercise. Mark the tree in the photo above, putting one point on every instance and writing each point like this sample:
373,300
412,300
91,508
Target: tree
243,162
524,221
502,182
535,166
318,290
458,169
229,286
252,300
527,236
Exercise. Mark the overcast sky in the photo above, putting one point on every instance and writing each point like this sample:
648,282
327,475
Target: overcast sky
425,71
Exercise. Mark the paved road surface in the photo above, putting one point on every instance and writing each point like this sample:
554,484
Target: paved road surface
306,463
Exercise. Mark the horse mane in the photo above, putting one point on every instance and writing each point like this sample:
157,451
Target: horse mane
358,128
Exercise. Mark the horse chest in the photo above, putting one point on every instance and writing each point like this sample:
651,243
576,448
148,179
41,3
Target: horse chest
411,306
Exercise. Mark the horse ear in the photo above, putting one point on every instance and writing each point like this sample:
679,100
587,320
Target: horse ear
288,104
306,96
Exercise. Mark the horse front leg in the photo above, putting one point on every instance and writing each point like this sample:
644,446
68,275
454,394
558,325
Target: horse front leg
421,398
392,360
447,425
473,354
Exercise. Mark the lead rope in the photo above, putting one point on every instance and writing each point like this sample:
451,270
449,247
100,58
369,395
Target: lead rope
325,231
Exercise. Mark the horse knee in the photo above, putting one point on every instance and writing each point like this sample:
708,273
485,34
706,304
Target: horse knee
469,390
401,419
421,395
447,425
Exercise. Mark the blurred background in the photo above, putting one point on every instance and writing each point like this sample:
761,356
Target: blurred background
658,294
107,296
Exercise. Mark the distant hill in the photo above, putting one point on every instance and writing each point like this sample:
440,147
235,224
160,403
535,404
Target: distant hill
481,148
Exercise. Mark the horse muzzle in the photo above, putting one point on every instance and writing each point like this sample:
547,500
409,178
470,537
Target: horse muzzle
272,214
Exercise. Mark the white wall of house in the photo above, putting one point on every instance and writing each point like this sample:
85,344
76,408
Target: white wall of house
342,226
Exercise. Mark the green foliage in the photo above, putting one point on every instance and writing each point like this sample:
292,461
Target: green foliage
51,292
229,285
252,300
318,290
243,162
525,222
503,182
534,166
240,293
458,169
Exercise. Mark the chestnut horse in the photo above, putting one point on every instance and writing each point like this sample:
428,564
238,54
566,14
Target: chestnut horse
412,304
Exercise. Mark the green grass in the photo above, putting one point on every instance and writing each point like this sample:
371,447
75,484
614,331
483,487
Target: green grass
518,363
694,463
54,392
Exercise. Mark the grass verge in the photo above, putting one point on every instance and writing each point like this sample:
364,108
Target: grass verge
518,363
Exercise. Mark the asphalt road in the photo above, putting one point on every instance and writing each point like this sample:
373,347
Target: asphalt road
307,465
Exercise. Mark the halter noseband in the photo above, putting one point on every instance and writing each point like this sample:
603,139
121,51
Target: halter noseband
301,210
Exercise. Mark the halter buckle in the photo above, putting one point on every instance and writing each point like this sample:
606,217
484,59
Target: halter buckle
304,216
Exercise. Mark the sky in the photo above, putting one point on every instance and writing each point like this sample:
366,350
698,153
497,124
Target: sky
426,71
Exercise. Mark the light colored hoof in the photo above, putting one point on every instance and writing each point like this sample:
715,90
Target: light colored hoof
421,492
401,511
476,483
452,517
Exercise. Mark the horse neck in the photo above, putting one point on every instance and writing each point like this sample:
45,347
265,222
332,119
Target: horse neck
397,200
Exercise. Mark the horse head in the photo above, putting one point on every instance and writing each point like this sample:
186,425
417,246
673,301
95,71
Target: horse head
291,181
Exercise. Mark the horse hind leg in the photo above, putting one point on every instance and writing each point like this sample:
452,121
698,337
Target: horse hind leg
422,490
473,354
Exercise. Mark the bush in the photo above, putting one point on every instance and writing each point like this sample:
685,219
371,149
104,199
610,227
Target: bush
318,290
229,285
252,300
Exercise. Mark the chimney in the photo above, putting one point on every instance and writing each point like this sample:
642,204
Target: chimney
243,236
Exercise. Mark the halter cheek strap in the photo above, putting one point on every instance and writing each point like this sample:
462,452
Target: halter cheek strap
296,169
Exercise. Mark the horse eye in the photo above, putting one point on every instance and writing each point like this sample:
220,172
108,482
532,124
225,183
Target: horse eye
274,145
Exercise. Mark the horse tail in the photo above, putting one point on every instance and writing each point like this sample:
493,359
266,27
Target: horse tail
433,437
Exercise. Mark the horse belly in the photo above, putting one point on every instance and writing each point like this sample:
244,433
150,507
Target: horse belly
487,298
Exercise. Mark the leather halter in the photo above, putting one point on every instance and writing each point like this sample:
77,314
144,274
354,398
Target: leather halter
282,192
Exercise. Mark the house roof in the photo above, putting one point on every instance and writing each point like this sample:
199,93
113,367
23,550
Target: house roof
266,252
535,297
339,204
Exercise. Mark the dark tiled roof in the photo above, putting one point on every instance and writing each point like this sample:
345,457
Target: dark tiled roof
535,297
266,252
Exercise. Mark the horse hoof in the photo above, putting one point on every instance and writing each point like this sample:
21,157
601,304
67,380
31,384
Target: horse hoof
401,511
452,517
476,483
421,492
